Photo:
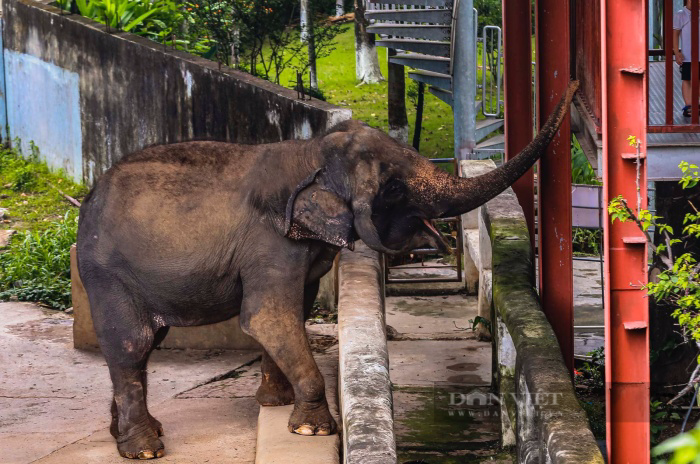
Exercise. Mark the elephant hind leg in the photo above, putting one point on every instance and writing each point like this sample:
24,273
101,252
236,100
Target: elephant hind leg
155,423
126,347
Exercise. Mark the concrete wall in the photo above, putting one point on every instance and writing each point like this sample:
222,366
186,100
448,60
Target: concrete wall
365,388
86,97
540,413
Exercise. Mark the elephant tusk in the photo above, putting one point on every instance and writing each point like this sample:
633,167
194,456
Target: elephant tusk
430,226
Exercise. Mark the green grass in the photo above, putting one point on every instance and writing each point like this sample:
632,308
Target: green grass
36,264
336,79
30,192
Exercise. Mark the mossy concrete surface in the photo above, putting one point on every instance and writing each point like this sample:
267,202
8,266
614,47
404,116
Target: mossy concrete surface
550,424
562,428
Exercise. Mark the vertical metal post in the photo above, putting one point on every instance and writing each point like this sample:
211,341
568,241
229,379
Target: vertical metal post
554,175
669,61
624,59
694,68
518,98
464,80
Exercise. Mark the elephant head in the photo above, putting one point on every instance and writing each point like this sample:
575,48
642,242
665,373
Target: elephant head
366,185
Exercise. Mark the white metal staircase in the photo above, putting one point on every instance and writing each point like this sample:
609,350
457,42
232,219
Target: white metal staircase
425,35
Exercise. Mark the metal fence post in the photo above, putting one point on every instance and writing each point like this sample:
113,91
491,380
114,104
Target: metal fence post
464,79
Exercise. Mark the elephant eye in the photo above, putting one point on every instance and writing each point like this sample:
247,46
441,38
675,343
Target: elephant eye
394,190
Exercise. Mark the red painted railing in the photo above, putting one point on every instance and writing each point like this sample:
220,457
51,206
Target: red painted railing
670,67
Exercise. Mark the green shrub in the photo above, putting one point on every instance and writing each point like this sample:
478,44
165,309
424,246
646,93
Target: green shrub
581,170
587,241
36,265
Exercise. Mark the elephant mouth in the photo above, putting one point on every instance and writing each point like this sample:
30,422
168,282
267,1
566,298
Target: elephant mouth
435,238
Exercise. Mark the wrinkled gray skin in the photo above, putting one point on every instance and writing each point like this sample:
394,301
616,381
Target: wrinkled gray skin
196,233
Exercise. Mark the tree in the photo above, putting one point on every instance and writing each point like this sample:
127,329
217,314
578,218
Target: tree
366,59
307,36
339,8
398,120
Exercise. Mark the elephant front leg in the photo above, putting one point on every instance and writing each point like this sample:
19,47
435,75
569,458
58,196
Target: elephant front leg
274,317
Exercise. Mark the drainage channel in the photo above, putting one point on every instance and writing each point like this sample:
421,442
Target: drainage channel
441,380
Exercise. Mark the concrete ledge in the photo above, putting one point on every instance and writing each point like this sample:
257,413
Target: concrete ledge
540,410
226,335
275,445
365,388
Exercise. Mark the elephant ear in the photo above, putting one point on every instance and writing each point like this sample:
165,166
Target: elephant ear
318,214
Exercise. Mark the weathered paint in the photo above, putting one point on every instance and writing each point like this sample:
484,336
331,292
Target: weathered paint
43,107
3,98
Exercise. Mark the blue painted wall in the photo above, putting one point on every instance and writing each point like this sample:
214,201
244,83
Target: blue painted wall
43,106
3,102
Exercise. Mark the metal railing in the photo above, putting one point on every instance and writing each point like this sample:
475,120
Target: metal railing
492,41
671,124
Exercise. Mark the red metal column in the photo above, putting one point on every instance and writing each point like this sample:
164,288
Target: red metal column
624,61
695,78
518,97
554,174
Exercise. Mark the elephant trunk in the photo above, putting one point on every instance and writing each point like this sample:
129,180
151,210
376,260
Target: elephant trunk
452,196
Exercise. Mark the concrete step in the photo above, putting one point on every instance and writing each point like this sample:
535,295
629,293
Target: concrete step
426,62
414,31
441,81
429,47
438,384
435,16
423,317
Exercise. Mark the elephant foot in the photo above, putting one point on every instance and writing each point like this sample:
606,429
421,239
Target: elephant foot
309,419
155,425
141,443
274,394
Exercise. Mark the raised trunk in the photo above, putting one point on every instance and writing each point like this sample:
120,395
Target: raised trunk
366,59
451,196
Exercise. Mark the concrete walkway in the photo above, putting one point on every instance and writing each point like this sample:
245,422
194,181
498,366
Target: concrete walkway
435,358
54,400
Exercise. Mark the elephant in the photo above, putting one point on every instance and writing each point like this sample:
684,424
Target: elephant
198,232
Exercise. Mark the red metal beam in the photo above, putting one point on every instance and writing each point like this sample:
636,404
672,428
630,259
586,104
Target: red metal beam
518,97
626,304
695,87
554,174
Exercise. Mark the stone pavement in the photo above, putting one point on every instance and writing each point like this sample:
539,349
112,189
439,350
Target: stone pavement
435,357
54,400
588,306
